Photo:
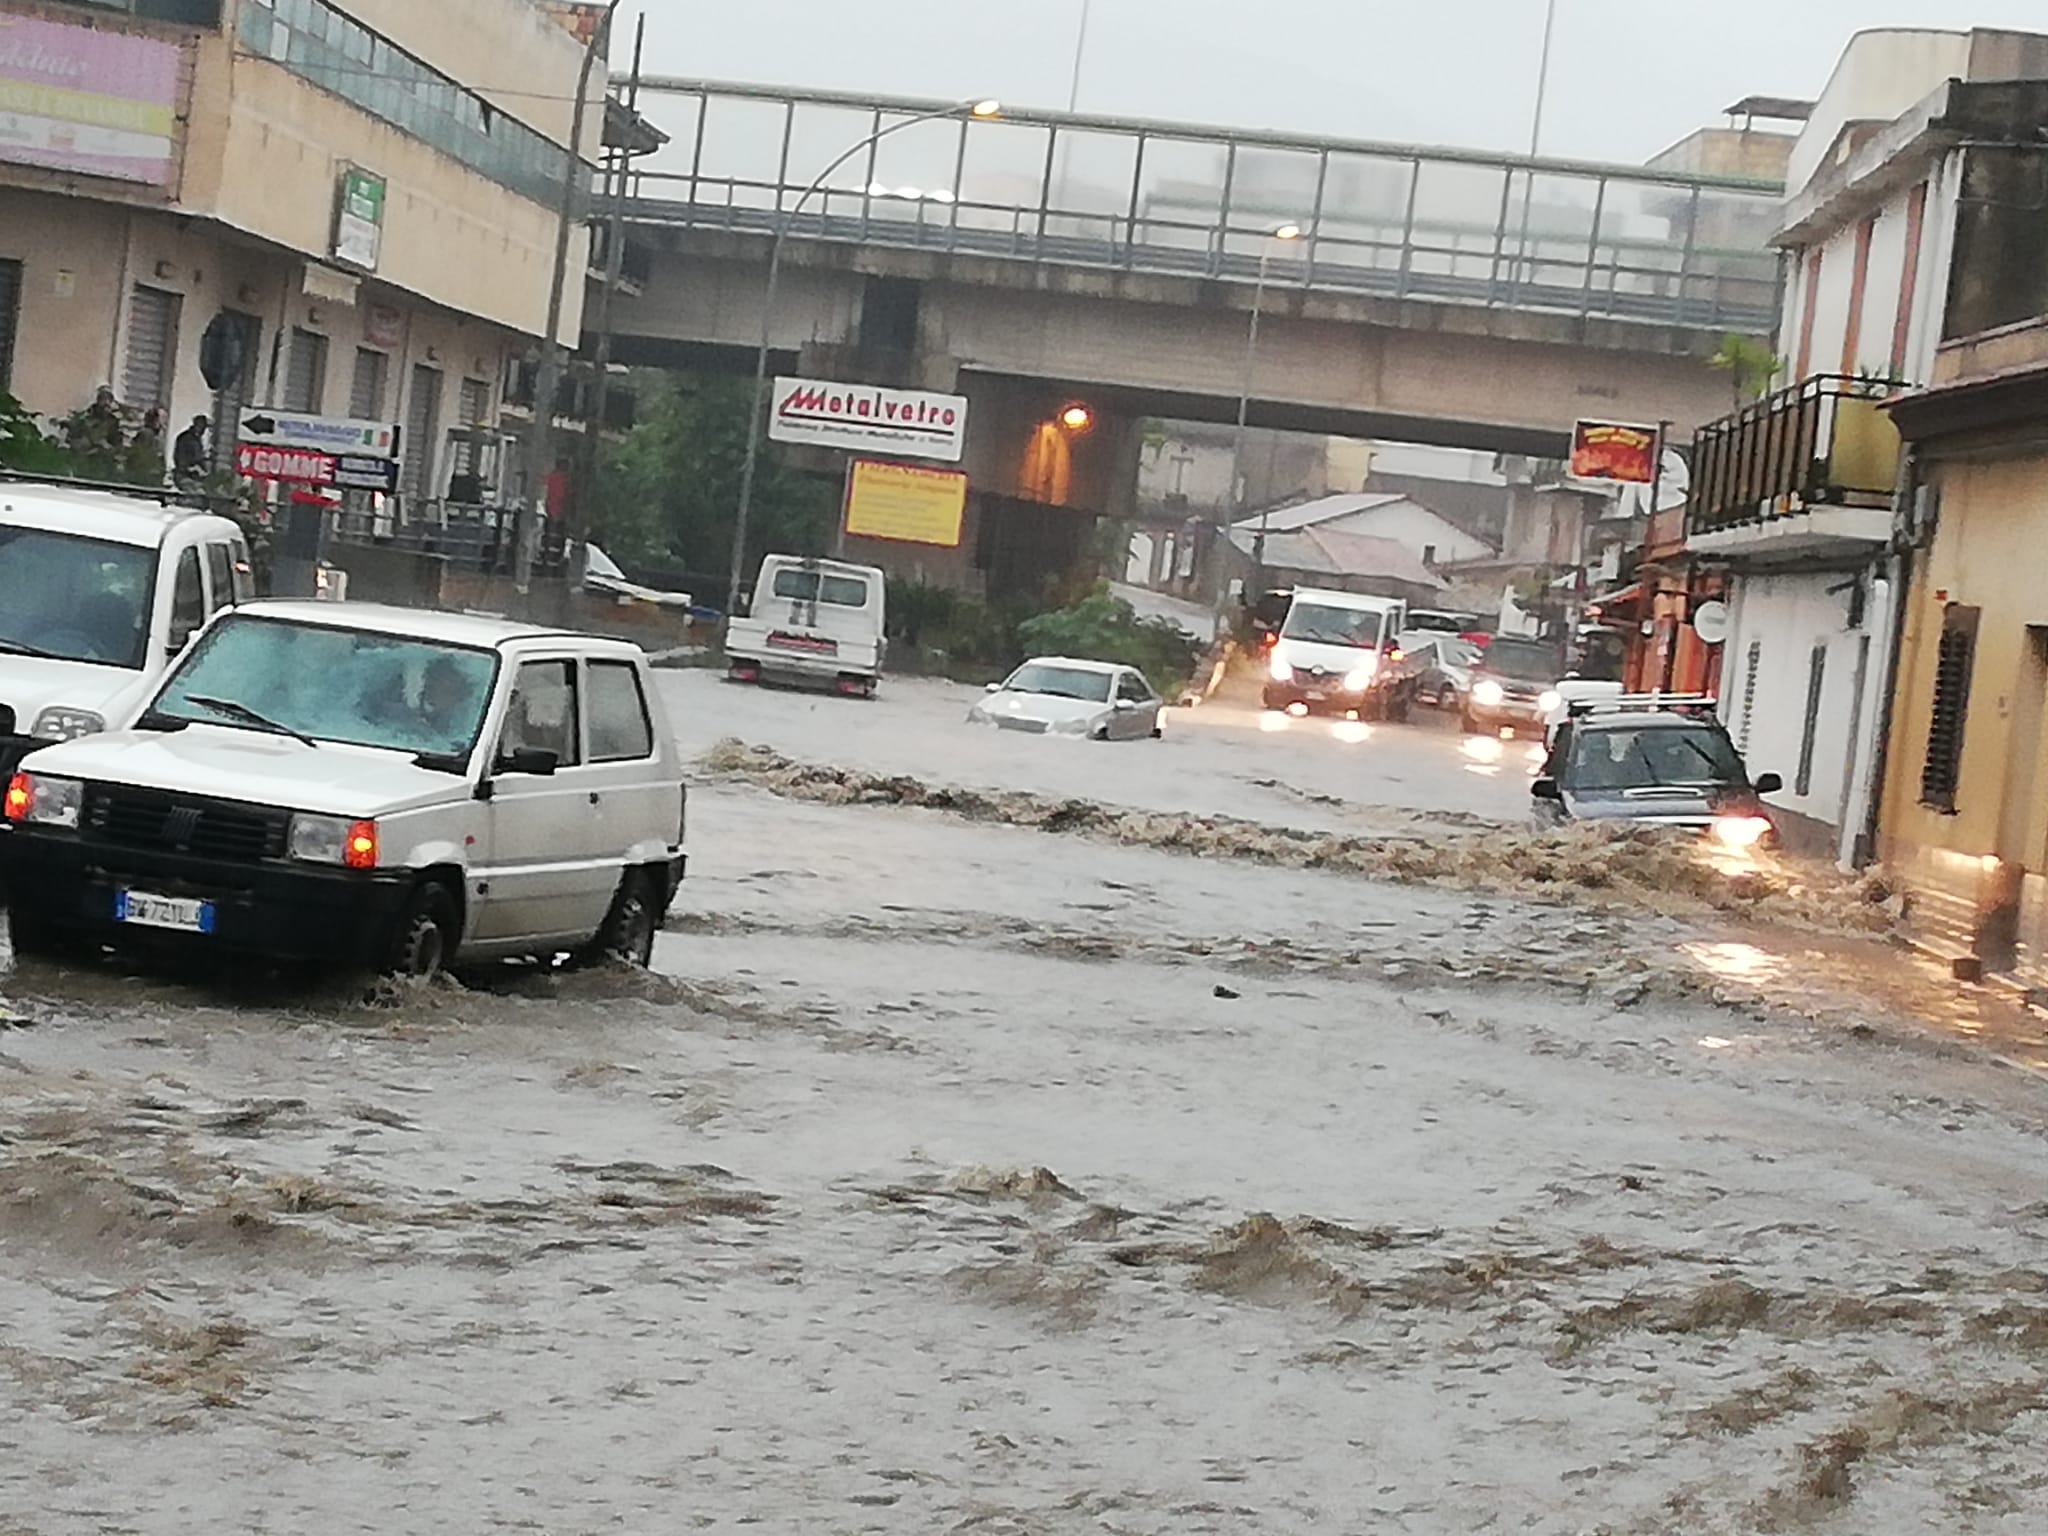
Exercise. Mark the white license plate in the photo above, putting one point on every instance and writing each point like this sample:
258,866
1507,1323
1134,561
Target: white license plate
173,912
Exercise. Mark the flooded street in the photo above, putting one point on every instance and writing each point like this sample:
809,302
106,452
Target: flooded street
961,1175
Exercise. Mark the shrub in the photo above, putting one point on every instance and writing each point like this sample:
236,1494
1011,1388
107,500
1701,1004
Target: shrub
1105,628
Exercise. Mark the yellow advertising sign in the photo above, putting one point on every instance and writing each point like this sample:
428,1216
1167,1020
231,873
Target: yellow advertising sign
905,503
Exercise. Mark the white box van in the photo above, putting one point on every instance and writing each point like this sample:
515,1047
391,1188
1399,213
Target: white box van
99,590
818,621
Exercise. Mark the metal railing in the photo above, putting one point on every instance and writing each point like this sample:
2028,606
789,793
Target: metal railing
1823,442
469,538
1398,221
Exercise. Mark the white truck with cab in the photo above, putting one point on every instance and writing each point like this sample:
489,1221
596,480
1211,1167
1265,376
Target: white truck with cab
100,589
1340,653
360,788
811,621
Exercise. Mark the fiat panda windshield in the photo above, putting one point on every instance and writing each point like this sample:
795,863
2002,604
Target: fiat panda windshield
323,684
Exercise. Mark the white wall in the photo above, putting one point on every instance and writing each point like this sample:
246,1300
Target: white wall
1415,528
1790,615
1879,75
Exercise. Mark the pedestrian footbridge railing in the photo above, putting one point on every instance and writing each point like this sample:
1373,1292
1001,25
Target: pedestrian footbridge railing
1387,220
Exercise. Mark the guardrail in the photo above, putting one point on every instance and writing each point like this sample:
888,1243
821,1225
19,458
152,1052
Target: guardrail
1401,221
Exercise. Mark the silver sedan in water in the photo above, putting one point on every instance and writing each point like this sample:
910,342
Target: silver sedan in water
1058,696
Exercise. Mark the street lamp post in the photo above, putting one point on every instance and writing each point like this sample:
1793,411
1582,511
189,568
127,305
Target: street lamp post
983,110
540,444
1286,232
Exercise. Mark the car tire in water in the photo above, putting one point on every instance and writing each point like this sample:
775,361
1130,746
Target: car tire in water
630,925
424,941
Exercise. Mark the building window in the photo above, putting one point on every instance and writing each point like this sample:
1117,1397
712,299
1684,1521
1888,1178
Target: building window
305,374
1429,554
184,13
10,313
152,348
366,385
1816,684
1954,662
1756,661
319,44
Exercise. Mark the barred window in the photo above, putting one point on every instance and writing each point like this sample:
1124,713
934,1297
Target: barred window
1954,662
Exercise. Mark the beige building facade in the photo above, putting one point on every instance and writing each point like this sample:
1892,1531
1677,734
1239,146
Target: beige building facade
355,200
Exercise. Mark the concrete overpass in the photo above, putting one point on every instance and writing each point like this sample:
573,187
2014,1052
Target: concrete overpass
1434,295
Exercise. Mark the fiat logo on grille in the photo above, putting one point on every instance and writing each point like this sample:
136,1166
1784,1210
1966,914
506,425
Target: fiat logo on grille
181,823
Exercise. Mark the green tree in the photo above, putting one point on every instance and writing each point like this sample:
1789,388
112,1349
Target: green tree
671,489
1751,366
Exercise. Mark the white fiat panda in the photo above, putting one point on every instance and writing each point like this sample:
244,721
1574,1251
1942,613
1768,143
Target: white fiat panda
360,787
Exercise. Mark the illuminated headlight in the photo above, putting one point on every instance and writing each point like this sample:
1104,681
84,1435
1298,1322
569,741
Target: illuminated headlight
1741,831
1489,693
334,840
1358,679
1280,668
58,723
1550,701
37,800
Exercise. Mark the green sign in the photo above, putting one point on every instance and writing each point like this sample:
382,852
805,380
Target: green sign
359,219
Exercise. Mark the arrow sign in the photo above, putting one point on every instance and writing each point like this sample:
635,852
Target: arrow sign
322,434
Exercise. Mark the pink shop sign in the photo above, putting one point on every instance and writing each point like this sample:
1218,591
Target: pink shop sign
87,99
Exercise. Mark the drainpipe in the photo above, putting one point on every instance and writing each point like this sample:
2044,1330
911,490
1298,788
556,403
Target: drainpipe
1900,575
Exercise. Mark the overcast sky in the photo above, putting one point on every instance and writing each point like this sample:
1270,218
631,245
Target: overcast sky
1628,77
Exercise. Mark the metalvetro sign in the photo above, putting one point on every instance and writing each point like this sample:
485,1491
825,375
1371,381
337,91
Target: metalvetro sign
86,99
868,419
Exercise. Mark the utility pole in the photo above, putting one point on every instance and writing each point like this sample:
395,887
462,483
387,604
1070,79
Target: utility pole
584,502
540,442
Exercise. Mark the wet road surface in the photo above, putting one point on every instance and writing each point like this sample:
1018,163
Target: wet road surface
959,1177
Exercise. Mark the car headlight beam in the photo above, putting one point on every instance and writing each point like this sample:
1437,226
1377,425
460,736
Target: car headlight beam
1489,693
38,800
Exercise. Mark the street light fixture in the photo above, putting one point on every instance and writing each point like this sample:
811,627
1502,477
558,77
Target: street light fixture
1284,234
983,110
548,378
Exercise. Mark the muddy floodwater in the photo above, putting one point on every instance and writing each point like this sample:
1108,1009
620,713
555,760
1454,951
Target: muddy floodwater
960,1176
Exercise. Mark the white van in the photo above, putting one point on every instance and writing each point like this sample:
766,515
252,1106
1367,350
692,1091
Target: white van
99,590
360,787
1340,651
816,621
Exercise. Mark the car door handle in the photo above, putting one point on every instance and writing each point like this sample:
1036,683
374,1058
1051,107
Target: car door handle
594,797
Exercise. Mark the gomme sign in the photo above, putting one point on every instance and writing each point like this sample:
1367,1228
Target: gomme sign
866,419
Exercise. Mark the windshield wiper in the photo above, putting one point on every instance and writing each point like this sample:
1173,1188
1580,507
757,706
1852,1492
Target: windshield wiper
442,762
234,709
22,648
157,720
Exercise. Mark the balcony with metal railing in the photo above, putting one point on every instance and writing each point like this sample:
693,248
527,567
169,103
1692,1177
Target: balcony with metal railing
1504,232
1811,467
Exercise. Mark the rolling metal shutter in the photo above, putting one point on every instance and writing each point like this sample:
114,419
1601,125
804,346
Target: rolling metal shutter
152,348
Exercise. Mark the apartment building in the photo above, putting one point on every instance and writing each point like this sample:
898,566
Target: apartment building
1794,495
345,207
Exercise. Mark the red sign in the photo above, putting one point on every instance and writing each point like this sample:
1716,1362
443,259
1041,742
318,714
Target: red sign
1612,450
299,466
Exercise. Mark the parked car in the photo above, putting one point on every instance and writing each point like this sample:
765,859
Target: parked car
601,573
1513,686
1340,652
99,590
811,621
1657,760
1059,696
360,787
1442,664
